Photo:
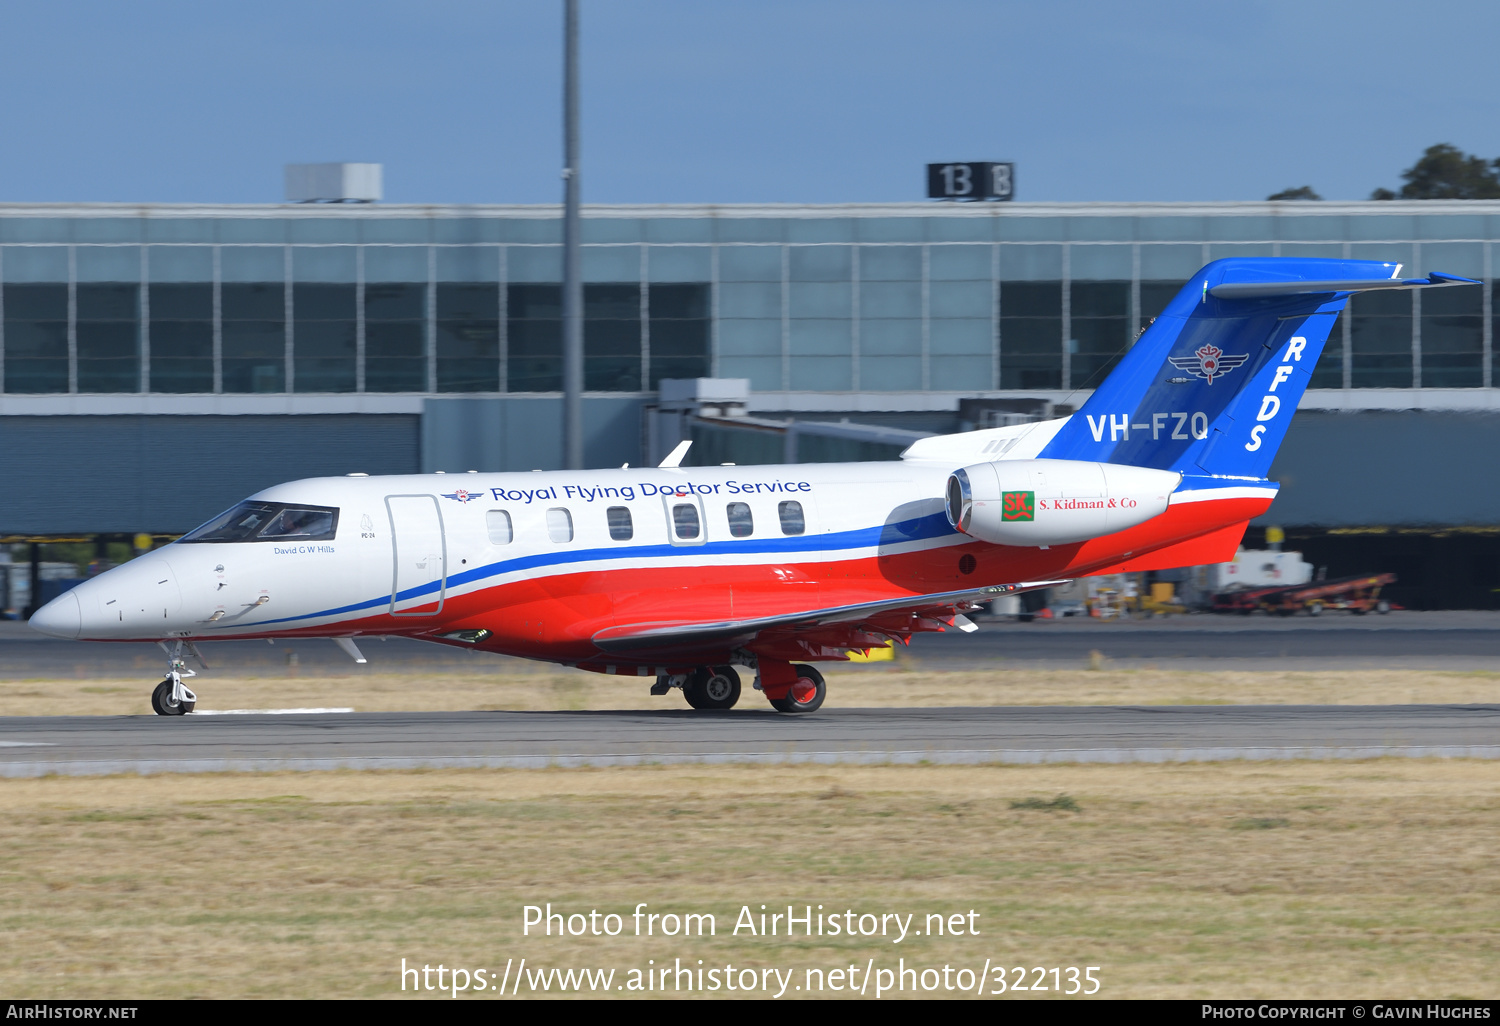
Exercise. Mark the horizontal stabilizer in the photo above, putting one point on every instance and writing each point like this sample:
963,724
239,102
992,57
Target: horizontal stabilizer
1258,289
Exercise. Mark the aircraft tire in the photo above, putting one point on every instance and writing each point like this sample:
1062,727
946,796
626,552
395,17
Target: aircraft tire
162,704
713,687
806,695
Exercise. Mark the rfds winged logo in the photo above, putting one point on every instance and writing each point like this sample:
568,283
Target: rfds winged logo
1208,362
462,495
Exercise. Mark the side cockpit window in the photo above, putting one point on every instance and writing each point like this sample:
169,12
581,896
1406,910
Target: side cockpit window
302,524
268,521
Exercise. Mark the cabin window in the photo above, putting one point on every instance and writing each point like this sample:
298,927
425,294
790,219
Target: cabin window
621,527
792,520
268,521
741,523
559,524
685,520
497,521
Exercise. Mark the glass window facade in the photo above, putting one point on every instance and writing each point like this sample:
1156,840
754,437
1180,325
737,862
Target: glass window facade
108,325
904,299
36,338
1031,335
611,338
182,337
1452,338
1380,340
468,337
680,330
324,337
534,333
1100,330
395,337
254,339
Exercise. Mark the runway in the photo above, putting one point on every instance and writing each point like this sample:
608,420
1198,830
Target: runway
38,746
1454,640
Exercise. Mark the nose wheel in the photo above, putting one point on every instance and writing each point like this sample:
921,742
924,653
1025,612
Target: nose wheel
172,697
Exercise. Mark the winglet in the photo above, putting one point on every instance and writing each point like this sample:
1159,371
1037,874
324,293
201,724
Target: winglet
674,458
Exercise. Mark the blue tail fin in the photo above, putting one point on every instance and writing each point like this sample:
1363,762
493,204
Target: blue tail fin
1211,386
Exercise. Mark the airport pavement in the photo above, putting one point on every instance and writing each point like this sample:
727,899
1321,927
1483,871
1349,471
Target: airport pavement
37,746
1449,640
1455,640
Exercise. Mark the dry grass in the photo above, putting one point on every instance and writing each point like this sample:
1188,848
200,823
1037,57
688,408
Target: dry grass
1231,880
873,686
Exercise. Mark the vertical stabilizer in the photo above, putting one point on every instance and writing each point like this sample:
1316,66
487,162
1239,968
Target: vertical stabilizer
1210,388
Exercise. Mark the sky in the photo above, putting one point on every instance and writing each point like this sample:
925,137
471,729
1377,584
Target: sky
738,101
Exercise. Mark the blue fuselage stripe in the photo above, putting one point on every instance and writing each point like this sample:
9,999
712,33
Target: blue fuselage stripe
919,529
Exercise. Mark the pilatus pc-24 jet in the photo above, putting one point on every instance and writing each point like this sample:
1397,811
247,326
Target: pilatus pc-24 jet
681,574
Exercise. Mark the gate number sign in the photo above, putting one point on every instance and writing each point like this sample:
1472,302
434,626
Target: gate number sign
977,180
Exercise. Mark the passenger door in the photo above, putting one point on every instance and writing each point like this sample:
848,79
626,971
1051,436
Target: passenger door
419,554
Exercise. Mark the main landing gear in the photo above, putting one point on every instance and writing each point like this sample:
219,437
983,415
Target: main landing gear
707,687
798,688
172,697
805,694
712,687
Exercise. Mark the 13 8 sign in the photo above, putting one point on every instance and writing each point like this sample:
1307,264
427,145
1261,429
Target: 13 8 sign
973,181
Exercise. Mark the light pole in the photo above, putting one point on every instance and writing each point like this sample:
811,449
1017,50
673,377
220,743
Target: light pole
572,288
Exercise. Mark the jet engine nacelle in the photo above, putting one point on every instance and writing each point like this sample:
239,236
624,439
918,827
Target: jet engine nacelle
1053,502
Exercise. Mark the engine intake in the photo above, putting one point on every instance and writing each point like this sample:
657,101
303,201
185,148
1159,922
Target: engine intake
1054,502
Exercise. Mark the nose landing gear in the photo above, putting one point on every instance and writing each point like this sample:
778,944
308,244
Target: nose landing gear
172,697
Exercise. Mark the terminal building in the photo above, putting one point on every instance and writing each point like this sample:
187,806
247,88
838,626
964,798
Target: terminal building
159,362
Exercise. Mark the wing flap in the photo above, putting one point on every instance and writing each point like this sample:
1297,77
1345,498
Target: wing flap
655,637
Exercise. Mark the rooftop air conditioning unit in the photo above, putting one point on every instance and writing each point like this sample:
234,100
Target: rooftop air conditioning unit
333,183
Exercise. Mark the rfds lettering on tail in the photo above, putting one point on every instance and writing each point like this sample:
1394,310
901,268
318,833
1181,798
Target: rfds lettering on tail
684,575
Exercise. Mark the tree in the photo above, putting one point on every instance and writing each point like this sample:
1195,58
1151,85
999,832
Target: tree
1304,192
1446,172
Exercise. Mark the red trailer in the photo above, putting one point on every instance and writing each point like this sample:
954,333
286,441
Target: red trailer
1357,594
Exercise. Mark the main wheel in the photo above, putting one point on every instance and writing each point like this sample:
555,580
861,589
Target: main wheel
1315,609
807,693
1382,607
163,704
713,687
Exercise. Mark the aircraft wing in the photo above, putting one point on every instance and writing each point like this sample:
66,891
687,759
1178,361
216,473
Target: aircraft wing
890,618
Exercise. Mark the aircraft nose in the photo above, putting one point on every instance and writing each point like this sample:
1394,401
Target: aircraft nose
61,618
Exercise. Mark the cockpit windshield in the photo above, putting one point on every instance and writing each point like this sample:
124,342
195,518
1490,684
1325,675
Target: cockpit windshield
268,521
